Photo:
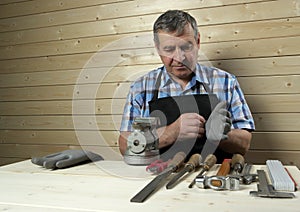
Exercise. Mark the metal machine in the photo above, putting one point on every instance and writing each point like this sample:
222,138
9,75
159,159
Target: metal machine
142,143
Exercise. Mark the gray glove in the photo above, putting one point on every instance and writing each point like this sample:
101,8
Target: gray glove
65,159
218,123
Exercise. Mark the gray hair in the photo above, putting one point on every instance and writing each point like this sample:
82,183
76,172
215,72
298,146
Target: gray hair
174,21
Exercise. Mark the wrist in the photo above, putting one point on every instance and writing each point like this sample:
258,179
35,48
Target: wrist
167,135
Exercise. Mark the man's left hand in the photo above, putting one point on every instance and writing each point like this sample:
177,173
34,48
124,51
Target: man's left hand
218,123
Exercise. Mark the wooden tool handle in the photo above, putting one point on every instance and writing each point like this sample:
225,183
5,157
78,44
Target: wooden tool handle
225,168
237,162
177,159
194,160
210,160
223,171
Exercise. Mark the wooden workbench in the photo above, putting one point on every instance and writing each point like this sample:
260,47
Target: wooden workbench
109,186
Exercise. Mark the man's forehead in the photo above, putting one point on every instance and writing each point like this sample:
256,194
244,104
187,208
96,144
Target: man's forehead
169,39
179,36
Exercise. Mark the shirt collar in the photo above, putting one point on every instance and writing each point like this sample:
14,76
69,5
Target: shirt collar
199,76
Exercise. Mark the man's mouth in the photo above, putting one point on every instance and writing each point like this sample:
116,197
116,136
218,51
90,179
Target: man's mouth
179,67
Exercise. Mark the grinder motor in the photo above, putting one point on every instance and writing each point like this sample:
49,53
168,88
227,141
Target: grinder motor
142,143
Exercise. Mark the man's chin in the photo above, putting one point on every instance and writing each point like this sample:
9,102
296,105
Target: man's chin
182,75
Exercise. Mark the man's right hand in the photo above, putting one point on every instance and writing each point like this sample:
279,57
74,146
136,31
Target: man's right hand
190,125
187,126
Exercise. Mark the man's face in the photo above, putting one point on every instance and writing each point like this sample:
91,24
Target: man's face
179,53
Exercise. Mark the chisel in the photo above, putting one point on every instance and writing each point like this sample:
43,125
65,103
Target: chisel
155,183
209,161
237,163
190,166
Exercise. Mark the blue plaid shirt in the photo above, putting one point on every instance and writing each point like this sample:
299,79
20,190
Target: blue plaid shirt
218,82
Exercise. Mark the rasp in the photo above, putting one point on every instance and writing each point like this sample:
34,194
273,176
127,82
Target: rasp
190,166
156,182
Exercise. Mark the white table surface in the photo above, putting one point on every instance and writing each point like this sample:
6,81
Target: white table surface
109,186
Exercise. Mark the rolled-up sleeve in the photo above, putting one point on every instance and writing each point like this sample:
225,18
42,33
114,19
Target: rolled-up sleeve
240,111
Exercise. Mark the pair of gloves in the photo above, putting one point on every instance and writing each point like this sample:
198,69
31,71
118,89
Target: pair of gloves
66,159
217,127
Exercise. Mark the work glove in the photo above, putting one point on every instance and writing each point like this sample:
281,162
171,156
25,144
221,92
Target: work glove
65,159
218,123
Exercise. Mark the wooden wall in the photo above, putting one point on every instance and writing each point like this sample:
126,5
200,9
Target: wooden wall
49,62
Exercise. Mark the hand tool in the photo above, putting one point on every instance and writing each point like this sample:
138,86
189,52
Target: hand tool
157,166
190,166
237,163
280,179
224,182
266,190
155,183
246,177
223,171
209,161
242,170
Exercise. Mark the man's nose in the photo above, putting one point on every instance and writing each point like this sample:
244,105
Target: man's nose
179,55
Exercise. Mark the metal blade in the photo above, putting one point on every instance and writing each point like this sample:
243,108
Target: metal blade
173,181
152,186
263,186
202,171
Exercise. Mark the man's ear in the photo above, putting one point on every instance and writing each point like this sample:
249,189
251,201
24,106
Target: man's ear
198,40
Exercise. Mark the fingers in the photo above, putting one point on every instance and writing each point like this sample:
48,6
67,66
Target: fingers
63,159
71,160
192,119
53,155
50,163
220,105
46,161
37,161
191,126
64,163
227,128
224,112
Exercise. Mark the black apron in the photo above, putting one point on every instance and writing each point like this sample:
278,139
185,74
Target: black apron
168,109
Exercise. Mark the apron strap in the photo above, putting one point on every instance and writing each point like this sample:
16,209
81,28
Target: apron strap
157,85
206,88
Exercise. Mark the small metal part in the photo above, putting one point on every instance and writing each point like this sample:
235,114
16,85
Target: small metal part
264,189
246,177
225,182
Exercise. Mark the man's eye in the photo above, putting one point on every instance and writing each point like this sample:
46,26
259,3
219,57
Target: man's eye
187,47
169,49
